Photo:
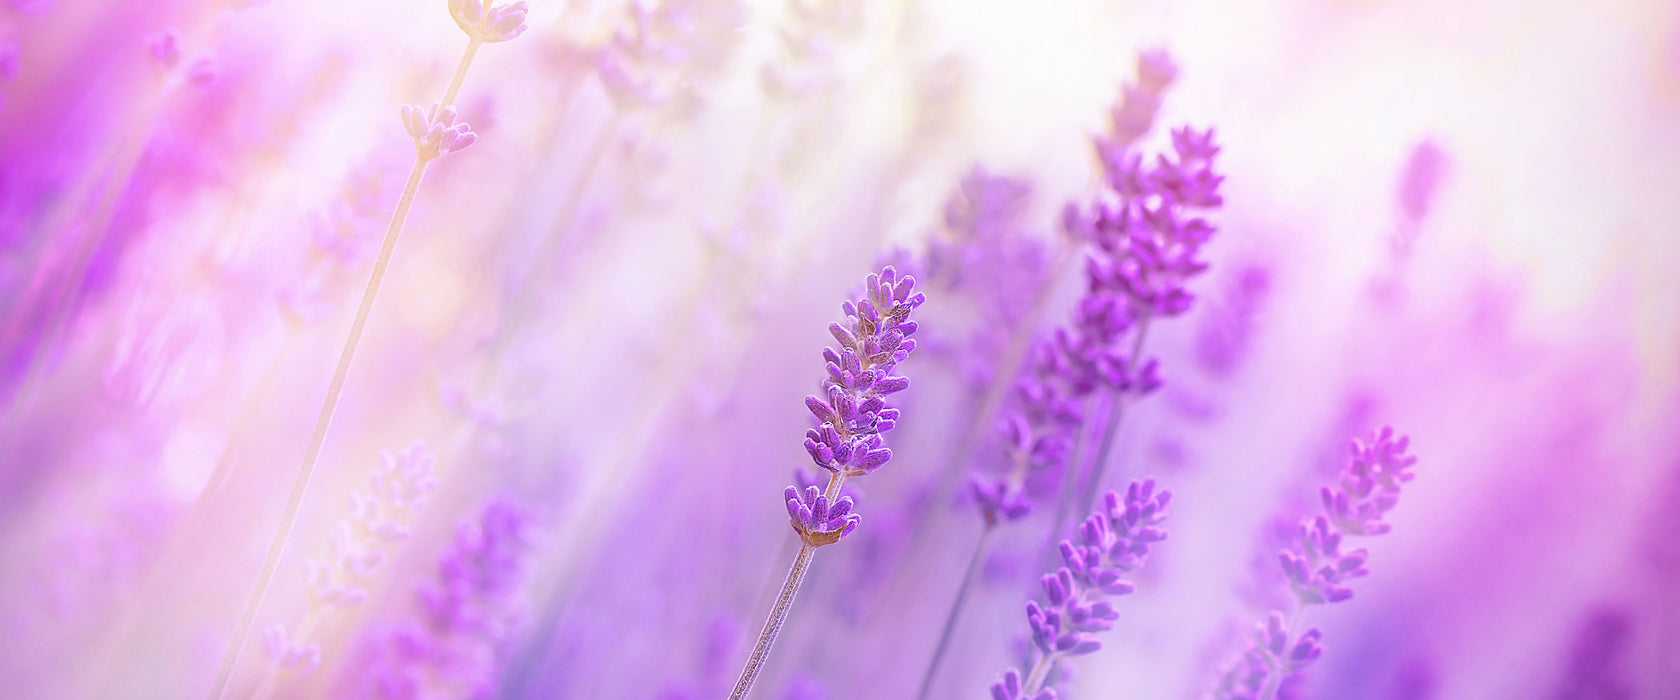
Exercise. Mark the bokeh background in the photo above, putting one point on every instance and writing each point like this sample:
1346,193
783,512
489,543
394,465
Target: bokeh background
1458,218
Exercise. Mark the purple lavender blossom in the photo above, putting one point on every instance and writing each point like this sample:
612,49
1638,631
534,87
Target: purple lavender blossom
401,486
469,612
1113,542
810,41
1319,567
436,131
489,25
854,416
1595,669
816,522
649,57
165,48
848,442
1145,238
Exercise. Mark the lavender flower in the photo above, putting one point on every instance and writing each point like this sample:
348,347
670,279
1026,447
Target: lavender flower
874,337
1318,568
468,611
854,416
810,41
382,517
644,63
435,131
165,48
1144,245
816,522
489,25
1112,543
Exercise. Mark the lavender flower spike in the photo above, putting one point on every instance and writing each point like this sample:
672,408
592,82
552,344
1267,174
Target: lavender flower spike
1113,542
436,131
849,438
873,340
1319,568
492,25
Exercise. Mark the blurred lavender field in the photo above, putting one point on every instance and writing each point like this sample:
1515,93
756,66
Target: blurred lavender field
1206,243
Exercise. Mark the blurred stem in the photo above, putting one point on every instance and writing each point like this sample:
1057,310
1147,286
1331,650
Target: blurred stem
1040,671
1088,494
969,576
784,603
461,71
1070,474
301,483
574,198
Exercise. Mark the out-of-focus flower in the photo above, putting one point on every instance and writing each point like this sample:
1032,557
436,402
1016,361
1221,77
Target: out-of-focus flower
1595,669
165,48
436,131
468,612
1112,543
1318,567
490,25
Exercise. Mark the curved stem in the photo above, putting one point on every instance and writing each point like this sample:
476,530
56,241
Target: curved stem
969,575
300,484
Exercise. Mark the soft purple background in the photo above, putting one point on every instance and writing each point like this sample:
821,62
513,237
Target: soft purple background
1458,219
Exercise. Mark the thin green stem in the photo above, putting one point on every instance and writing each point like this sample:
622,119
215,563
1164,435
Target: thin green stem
300,484
784,603
969,576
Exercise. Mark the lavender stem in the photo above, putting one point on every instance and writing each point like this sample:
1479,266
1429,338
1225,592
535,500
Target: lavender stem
300,484
969,575
1040,670
784,603
473,42
1088,494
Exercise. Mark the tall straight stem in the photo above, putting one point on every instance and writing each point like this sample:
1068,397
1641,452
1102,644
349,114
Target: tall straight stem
461,71
773,624
1070,477
784,603
300,484
969,574
1088,494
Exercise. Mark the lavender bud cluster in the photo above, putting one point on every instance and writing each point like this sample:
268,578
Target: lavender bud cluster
1112,542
